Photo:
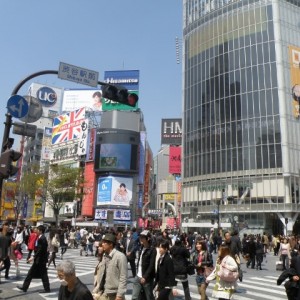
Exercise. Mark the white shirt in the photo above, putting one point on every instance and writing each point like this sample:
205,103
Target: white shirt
19,237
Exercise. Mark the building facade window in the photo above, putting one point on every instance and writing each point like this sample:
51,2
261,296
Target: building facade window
237,108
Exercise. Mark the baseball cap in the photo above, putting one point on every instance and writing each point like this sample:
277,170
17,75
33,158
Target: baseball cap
109,237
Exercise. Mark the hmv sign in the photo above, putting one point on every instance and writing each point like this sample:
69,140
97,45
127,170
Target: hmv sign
171,131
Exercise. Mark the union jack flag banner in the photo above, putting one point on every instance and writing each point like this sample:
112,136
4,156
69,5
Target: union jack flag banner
68,126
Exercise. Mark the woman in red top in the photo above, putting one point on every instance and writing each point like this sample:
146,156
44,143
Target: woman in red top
31,242
201,259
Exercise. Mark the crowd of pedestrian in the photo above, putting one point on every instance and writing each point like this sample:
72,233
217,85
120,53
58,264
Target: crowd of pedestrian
159,261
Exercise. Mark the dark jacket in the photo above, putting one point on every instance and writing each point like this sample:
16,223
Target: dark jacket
291,287
251,249
80,292
289,273
4,244
295,263
259,248
132,248
235,245
180,256
41,255
148,263
165,276
207,262
38,268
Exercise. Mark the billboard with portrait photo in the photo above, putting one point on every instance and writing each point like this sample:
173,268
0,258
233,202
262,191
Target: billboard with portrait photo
113,190
74,99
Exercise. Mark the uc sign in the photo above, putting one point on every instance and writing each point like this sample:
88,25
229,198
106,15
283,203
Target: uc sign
46,96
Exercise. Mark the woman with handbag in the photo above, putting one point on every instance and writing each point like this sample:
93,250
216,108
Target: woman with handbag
202,260
53,246
180,255
226,274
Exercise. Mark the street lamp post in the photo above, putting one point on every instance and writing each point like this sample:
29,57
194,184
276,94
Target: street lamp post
218,214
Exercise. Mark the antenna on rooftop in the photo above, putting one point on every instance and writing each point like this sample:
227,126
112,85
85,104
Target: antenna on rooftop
178,45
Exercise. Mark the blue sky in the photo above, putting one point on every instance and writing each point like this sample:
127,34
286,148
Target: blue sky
99,35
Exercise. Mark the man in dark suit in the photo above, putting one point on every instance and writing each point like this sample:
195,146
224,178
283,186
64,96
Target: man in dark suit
131,246
233,242
38,268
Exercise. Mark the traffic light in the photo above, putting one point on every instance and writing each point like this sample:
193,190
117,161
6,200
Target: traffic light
119,94
6,163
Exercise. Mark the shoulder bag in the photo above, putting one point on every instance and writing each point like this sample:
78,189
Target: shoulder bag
207,269
227,275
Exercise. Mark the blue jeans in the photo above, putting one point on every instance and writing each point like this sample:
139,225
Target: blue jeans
137,287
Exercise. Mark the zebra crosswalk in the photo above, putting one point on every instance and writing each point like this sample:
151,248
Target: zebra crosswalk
254,286
84,266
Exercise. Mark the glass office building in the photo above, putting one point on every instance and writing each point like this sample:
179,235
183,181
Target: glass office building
241,125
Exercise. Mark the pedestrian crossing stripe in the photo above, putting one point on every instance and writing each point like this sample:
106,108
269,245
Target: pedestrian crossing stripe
84,266
252,287
245,289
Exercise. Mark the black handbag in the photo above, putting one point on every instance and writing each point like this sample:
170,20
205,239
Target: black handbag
190,268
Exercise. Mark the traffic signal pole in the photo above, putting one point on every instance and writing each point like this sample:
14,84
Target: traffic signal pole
8,121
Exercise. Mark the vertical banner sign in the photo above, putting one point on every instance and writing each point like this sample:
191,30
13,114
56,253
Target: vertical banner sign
46,143
175,160
91,145
140,200
294,53
83,137
89,190
142,158
25,205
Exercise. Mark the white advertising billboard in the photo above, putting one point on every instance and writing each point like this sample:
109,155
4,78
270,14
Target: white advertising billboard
74,99
46,143
114,190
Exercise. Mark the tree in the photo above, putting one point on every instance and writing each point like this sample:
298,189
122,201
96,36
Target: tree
31,181
64,185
